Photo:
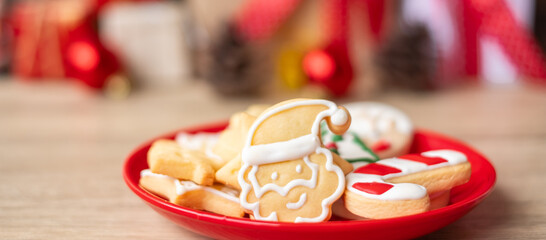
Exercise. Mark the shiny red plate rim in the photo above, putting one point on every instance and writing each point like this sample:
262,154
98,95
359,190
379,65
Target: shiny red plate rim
473,199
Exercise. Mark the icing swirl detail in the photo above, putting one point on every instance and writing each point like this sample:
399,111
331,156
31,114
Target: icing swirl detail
299,203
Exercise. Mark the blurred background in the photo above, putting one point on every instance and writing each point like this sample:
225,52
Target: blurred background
83,82
331,49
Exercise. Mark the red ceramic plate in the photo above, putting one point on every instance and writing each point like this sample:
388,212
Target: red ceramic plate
463,199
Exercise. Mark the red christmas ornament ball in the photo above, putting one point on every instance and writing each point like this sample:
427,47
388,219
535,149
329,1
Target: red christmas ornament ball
318,65
83,55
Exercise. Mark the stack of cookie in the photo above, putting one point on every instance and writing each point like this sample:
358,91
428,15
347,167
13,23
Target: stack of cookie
302,160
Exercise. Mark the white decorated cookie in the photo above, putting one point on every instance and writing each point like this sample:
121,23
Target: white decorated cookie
378,127
350,147
286,173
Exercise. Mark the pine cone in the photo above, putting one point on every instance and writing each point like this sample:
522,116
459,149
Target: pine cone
234,67
407,59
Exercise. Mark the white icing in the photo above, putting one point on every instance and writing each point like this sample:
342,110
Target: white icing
199,140
227,195
357,165
283,190
371,120
187,186
274,175
253,156
149,173
272,217
230,191
339,118
404,191
196,141
400,191
298,168
348,149
407,167
210,154
299,203
453,157
291,149
327,202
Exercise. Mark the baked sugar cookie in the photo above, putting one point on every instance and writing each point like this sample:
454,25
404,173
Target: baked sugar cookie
387,131
228,173
168,158
286,173
216,198
400,186
202,142
437,200
232,139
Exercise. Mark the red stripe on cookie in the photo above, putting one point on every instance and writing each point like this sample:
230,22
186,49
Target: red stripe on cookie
422,159
377,169
331,145
381,145
376,188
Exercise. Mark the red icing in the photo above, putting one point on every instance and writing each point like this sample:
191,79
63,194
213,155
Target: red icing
422,159
331,145
377,169
376,188
381,145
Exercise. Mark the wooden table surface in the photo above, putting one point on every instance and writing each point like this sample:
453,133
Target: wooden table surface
62,148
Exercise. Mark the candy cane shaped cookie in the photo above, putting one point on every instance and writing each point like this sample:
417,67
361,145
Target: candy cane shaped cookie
398,186
286,173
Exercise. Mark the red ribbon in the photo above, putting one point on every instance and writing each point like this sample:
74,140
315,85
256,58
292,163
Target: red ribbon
337,25
494,18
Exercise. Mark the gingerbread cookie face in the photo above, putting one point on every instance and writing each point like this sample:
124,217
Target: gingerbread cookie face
387,131
287,174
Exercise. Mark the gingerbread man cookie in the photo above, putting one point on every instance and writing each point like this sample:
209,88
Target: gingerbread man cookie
286,173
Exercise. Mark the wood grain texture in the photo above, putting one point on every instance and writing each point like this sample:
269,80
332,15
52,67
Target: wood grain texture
61,151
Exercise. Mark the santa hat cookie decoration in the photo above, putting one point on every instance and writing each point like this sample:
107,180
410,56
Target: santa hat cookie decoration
287,174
